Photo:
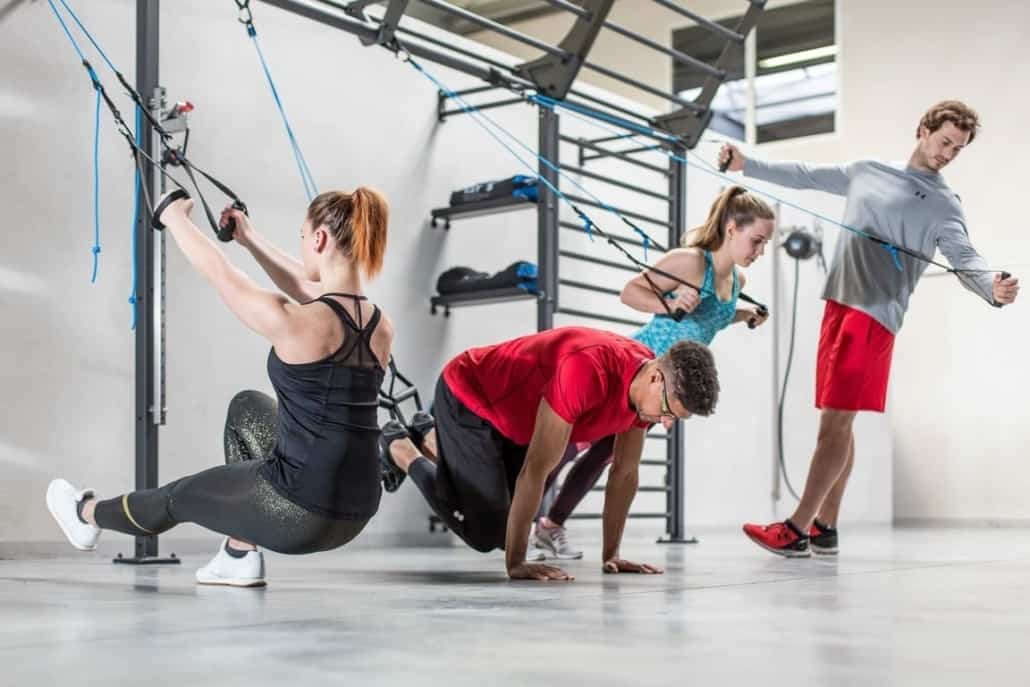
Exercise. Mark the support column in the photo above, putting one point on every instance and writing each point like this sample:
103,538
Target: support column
547,221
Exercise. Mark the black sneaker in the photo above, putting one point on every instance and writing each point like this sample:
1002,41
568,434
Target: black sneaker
823,539
392,475
421,424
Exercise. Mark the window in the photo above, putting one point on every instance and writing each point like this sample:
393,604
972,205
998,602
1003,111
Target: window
796,73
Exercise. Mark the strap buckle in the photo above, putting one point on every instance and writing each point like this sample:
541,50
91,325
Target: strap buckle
245,16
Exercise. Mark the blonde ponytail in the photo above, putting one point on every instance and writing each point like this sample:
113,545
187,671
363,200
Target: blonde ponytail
736,203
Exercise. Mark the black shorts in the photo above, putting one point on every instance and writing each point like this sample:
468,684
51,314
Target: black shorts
477,470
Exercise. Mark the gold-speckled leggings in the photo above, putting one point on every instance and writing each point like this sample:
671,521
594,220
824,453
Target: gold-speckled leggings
232,499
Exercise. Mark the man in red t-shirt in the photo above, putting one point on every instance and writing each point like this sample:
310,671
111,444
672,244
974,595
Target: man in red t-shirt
505,413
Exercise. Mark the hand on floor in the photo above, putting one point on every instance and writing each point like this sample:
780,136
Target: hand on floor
537,571
619,565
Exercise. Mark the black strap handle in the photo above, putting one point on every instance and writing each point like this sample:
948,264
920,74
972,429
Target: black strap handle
155,219
723,166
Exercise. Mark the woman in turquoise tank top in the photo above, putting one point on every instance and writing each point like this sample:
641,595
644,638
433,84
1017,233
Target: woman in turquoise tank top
739,225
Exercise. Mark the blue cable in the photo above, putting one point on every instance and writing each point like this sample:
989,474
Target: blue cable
66,31
96,191
88,35
310,188
135,221
476,113
95,250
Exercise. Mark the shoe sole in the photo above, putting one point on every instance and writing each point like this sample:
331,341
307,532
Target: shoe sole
231,582
824,550
785,553
64,530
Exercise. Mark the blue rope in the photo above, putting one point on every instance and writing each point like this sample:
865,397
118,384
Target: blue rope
88,35
310,188
95,250
96,191
66,31
477,114
135,221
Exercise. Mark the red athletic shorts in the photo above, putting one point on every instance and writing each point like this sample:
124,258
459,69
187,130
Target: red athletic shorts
854,360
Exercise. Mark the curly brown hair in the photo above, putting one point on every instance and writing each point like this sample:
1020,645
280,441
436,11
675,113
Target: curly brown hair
954,111
690,368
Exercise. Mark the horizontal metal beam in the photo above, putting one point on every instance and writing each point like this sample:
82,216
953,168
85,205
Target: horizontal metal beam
572,255
572,226
470,91
649,121
614,182
681,57
589,287
569,7
598,516
627,151
640,85
476,19
368,34
639,489
712,26
443,114
585,144
622,211
595,316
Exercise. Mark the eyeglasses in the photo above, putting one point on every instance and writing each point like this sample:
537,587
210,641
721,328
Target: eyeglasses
666,410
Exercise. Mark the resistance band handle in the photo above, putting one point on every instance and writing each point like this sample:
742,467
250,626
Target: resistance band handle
155,219
996,304
679,314
225,231
723,166
752,322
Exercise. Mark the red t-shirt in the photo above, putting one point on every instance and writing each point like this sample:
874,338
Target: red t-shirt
583,374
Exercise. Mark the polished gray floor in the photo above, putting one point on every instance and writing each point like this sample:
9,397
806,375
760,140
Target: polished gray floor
899,607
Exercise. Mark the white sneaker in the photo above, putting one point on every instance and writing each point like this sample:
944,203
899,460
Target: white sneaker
553,541
223,569
533,554
62,500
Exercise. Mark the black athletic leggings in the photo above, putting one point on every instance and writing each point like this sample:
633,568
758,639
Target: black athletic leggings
232,499
582,477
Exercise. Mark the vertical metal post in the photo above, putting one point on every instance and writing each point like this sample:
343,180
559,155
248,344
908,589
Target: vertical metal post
751,98
777,268
675,501
547,221
150,322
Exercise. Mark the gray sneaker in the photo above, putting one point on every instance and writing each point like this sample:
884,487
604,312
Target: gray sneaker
555,543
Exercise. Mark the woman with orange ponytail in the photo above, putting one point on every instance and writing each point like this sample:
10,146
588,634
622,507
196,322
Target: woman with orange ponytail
301,471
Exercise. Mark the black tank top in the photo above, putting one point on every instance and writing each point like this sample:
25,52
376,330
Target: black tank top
326,457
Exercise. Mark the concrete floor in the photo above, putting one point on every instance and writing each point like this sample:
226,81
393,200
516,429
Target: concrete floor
899,607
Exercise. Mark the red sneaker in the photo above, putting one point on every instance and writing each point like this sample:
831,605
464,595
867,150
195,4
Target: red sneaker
781,538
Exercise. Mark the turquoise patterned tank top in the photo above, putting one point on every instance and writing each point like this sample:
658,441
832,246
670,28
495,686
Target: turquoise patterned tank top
710,316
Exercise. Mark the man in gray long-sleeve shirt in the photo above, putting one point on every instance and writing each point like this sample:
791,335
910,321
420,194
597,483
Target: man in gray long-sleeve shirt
867,293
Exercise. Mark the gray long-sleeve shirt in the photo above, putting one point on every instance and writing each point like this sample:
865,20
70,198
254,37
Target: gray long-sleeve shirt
904,206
